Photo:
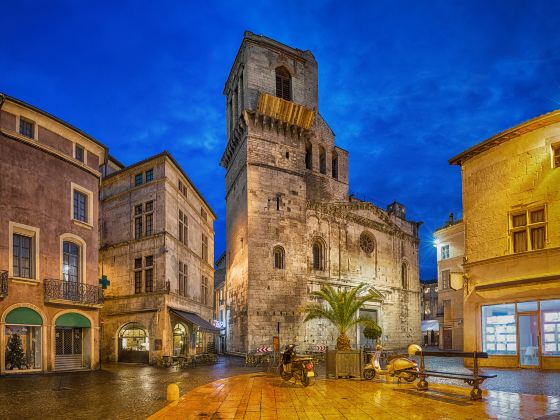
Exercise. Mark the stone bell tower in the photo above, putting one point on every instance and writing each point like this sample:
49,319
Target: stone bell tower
272,102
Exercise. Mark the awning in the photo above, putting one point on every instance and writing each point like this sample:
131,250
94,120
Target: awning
203,325
24,316
73,320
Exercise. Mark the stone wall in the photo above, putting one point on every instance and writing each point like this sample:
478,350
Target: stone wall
274,200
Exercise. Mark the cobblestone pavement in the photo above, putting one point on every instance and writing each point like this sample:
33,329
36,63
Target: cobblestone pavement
524,381
118,391
261,396
124,391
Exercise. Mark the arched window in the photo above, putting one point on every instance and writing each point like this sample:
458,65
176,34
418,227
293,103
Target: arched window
180,340
318,255
134,337
308,155
404,275
322,160
71,262
335,165
279,255
283,84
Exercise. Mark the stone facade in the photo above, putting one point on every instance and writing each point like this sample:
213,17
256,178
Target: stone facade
450,252
286,194
49,293
157,251
511,216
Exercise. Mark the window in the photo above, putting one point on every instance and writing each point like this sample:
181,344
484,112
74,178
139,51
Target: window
149,208
22,346
278,257
149,175
318,256
445,279
182,189
22,256
149,274
528,230
70,262
204,290
278,201
499,329
138,179
138,281
79,152
138,221
183,228
80,206
204,247
404,275
367,243
308,155
203,214
144,219
550,314
27,128
183,276
556,155
445,252
322,160
283,84
335,166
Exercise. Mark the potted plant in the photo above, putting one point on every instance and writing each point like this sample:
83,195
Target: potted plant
372,331
341,307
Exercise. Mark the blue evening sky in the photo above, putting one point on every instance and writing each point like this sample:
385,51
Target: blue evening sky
404,85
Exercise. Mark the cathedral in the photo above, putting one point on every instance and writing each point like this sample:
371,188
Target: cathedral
291,224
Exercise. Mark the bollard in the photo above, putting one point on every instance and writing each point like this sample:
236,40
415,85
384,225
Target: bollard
172,392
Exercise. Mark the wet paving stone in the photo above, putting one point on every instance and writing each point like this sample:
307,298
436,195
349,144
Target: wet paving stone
118,391
129,391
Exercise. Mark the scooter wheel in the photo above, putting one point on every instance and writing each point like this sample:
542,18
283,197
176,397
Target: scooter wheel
409,376
369,374
285,375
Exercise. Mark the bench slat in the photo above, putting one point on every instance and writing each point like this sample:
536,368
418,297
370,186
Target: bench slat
472,355
453,375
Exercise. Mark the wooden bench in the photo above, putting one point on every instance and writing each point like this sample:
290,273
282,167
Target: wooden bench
474,379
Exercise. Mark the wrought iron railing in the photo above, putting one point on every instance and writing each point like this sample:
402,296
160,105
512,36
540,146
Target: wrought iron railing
3,283
88,294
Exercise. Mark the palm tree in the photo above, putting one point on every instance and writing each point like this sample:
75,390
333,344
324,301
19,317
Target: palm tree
342,309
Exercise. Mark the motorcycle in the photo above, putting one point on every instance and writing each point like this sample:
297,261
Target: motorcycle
398,366
301,369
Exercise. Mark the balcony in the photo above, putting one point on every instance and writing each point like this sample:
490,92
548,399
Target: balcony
3,283
285,111
57,291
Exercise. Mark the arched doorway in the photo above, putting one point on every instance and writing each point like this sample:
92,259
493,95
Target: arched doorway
23,340
180,340
72,342
134,344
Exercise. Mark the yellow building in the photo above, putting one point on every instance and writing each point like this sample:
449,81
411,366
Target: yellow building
511,214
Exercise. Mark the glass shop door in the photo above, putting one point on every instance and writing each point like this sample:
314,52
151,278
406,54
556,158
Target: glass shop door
529,343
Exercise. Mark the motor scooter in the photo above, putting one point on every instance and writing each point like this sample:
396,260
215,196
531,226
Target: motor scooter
299,368
398,366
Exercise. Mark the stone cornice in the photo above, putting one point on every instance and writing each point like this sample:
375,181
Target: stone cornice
343,211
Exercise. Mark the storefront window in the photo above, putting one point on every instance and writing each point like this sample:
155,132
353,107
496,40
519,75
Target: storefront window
550,315
179,340
23,347
499,333
134,338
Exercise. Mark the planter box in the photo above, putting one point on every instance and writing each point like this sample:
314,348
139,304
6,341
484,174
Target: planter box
347,364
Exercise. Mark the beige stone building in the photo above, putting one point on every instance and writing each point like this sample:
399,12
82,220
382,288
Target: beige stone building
450,244
511,216
49,240
291,224
157,247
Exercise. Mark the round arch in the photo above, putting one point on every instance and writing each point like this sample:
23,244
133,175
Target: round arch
24,305
133,343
